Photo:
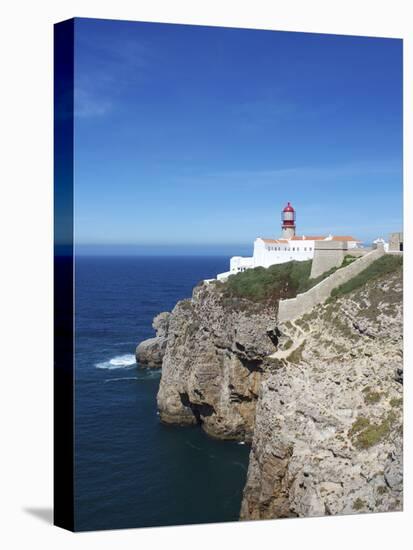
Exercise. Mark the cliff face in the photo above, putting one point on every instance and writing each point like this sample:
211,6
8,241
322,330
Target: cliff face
319,398
328,432
214,362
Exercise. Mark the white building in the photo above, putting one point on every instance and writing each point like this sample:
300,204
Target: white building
381,241
284,249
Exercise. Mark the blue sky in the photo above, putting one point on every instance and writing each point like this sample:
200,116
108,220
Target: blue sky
193,138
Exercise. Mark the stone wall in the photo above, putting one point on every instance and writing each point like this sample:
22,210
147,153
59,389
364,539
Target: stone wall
327,254
396,242
303,303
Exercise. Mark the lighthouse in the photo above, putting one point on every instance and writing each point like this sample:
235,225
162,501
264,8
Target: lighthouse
288,222
290,247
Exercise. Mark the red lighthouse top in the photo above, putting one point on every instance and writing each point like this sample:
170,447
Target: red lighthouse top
288,216
288,208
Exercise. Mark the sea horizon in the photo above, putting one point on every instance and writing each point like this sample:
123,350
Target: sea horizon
78,252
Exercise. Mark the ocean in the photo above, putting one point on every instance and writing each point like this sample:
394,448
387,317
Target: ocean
131,470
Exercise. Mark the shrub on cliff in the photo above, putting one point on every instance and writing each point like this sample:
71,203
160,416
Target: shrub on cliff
272,283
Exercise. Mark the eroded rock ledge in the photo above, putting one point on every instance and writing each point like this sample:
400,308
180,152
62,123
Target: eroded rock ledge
150,353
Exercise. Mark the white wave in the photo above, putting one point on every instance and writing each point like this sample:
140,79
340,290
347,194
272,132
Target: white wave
118,362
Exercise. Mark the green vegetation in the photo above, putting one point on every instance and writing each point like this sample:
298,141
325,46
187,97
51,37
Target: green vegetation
348,259
297,354
288,344
270,284
281,281
276,282
365,434
371,396
360,424
396,401
302,324
358,504
339,349
311,316
384,265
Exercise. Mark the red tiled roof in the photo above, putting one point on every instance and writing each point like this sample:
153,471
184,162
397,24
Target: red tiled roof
310,238
345,238
318,238
307,238
274,241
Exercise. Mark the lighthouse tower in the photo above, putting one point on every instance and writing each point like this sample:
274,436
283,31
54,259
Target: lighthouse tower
288,222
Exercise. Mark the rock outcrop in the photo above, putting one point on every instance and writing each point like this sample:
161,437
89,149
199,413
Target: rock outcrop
214,362
318,398
328,432
150,353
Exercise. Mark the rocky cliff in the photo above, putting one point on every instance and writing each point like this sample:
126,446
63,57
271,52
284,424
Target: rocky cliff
214,362
320,398
328,431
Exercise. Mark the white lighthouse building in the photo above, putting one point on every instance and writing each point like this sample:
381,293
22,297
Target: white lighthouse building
288,247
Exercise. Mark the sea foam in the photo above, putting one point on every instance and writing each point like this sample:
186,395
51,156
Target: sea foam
118,362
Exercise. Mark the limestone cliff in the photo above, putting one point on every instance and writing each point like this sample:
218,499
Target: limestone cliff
214,361
328,432
319,398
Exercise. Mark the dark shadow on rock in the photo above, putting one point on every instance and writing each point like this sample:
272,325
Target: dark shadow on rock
45,514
